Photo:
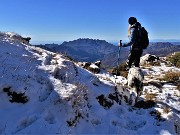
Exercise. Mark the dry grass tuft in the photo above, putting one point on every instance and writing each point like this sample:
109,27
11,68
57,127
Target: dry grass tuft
150,96
166,109
175,59
171,76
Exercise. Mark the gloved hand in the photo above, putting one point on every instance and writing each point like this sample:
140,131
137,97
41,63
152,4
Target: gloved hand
120,43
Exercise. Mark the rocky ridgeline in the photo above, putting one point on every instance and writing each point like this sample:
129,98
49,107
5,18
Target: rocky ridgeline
16,37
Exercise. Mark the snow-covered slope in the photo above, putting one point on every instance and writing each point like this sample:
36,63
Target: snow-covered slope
45,93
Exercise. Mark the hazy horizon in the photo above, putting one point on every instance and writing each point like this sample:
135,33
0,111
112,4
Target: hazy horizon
66,20
60,42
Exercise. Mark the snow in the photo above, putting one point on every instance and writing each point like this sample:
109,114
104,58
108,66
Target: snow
63,97
93,66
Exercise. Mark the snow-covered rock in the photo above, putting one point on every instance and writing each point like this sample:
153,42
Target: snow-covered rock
148,58
93,67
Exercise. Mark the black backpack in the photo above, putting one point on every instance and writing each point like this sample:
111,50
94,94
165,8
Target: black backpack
143,39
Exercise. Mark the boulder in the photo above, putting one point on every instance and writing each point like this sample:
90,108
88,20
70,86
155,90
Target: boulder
98,63
148,58
93,68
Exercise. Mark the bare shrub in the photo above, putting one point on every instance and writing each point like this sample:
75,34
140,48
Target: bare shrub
145,104
105,102
124,74
171,76
157,116
79,104
149,64
178,87
121,70
166,109
122,67
16,97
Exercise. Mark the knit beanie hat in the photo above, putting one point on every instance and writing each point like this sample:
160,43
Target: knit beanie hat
132,20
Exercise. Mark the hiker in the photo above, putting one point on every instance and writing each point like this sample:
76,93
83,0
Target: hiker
135,49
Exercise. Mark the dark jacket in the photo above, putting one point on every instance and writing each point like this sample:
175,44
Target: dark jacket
133,37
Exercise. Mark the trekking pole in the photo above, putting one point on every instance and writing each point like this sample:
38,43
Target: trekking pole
119,50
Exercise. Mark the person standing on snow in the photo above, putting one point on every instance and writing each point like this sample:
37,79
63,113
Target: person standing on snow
135,49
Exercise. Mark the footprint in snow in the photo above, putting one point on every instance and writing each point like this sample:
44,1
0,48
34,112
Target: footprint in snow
25,122
119,112
135,125
140,112
49,117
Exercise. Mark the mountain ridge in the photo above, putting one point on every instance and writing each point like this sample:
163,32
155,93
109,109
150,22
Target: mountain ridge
162,48
85,49
90,50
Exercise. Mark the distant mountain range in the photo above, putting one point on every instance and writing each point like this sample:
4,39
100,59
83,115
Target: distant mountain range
91,50
162,48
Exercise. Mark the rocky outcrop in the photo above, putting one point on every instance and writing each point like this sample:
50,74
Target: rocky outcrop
93,67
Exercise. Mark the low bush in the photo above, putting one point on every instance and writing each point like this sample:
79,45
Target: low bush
105,102
121,70
178,87
175,59
122,67
145,104
171,76
166,109
150,96
16,97
157,116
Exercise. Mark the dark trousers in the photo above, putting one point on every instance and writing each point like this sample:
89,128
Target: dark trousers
134,57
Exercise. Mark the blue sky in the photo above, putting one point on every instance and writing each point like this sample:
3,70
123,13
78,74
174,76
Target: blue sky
64,20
